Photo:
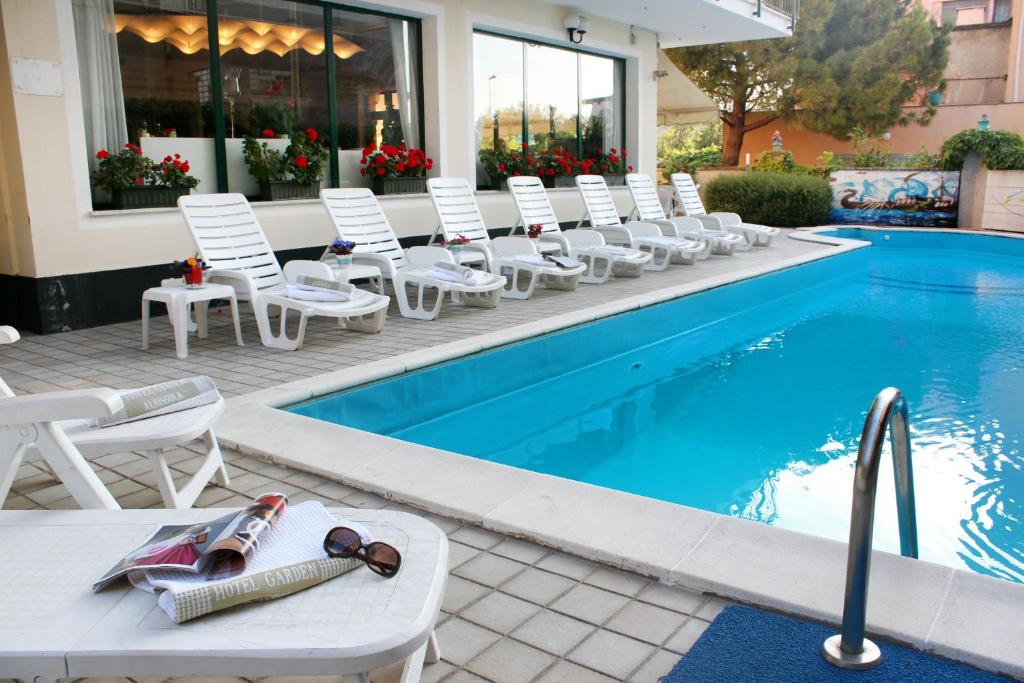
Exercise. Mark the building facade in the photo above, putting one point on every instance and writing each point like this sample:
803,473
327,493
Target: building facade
450,76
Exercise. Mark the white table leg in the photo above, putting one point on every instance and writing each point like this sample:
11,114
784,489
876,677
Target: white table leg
180,321
145,324
201,308
234,319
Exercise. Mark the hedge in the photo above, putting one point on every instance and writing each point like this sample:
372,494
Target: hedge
776,199
1000,150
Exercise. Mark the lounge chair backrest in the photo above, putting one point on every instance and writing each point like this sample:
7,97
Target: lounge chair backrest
687,195
645,197
457,210
229,237
600,206
532,201
358,217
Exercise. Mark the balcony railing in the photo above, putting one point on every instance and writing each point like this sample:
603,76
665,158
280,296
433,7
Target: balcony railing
788,8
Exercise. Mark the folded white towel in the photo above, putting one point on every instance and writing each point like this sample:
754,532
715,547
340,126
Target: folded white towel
303,293
563,262
533,260
160,399
615,250
471,278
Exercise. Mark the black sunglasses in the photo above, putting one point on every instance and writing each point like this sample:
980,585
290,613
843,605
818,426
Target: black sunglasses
379,557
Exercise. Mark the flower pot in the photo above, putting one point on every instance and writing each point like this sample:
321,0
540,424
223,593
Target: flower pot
456,250
548,181
566,181
614,179
147,197
499,182
193,276
282,190
343,260
400,185
935,97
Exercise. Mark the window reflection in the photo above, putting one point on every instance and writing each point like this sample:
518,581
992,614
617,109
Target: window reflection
600,105
552,96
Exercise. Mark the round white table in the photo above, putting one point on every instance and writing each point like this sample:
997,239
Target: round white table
178,298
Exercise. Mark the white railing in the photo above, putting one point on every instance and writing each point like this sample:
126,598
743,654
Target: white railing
788,8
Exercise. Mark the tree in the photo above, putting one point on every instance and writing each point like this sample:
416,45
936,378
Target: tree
849,63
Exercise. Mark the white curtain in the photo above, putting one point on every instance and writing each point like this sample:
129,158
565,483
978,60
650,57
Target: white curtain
405,54
100,75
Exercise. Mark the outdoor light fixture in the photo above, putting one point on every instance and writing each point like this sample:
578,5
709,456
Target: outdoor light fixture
660,73
983,122
576,25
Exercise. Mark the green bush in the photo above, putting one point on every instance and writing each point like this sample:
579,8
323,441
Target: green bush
781,200
1000,150
771,161
691,162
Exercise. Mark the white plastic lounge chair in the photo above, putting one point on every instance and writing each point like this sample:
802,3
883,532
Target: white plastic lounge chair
600,210
689,199
512,257
588,246
358,218
58,427
231,241
647,208
459,214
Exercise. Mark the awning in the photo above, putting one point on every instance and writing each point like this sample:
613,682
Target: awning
679,100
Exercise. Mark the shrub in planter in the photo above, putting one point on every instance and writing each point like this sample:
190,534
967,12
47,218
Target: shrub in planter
134,181
776,199
396,169
294,173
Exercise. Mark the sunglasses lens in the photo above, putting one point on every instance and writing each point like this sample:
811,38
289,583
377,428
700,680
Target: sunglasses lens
383,559
342,542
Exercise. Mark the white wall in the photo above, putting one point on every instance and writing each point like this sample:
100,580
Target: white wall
57,233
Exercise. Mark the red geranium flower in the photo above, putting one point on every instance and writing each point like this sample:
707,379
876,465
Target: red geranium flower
267,133
301,161
380,170
400,167
629,168
138,181
184,167
102,154
312,134
502,167
362,171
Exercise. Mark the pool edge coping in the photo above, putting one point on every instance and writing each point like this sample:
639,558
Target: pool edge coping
691,548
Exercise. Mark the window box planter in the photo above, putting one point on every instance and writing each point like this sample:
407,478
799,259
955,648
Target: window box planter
147,197
499,182
565,181
282,190
399,185
613,180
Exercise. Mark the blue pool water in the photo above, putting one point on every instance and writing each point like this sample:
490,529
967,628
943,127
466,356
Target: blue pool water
749,399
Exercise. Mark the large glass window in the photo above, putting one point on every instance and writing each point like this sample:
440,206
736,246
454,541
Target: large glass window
573,101
149,78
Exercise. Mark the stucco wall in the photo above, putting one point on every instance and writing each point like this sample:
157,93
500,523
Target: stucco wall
976,72
67,237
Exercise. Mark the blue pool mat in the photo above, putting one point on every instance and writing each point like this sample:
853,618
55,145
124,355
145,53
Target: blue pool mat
746,645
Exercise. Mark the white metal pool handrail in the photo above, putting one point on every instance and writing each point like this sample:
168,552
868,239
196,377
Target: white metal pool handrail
850,649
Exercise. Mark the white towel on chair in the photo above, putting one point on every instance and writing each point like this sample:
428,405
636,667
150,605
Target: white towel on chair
472,278
614,250
303,293
535,260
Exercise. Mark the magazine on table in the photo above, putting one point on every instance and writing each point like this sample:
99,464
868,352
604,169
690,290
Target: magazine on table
218,549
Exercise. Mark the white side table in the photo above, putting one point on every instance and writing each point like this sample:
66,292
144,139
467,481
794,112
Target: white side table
178,298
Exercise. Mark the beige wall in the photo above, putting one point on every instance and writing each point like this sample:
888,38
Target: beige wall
49,148
977,68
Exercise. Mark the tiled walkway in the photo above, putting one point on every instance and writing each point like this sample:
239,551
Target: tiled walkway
514,611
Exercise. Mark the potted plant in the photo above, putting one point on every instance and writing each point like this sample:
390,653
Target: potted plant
292,174
502,164
455,245
563,168
191,270
534,231
135,182
612,165
342,252
395,169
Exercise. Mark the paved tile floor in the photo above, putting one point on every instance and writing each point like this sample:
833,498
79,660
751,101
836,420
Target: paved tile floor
513,611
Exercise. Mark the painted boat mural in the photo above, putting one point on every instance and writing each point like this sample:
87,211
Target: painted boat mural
895,196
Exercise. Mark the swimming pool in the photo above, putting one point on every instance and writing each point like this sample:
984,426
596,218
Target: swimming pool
748,400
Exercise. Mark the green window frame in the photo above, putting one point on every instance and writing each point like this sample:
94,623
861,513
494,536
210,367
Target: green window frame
620,64
217,89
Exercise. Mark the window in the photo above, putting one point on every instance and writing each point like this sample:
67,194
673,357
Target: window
550,97
964,12
148,78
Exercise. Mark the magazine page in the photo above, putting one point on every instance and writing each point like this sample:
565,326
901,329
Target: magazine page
291,558
222,546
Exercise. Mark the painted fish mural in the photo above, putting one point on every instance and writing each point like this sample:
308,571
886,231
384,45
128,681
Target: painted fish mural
895,197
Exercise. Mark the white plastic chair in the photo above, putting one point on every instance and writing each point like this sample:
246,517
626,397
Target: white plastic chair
689,201
358,218
231,241
511,257
603,215
588,246
58,427
647,207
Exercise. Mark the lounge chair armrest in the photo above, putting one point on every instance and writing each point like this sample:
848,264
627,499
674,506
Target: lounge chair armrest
382,261
726,218
427,256
59,405
710,222
614,233
483,249
242,282
556,238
